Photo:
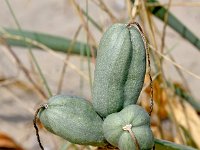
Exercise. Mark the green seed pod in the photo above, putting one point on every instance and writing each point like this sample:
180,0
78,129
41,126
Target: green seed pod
120,69
73,119
129,129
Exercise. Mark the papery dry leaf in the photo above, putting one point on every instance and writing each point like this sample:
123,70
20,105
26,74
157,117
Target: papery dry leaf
7,143
160,98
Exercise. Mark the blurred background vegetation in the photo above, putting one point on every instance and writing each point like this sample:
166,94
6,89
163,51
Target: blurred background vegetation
49,47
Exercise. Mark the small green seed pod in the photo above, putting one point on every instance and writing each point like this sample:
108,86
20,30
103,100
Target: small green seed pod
129,129
73,119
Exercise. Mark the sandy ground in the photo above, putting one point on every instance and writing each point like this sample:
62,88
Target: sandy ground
59,18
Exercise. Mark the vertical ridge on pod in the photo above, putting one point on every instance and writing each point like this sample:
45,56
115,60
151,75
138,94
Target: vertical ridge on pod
137,69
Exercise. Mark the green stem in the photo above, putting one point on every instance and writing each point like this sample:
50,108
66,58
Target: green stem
54,42
162,144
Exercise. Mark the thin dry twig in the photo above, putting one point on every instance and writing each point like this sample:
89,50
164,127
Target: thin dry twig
175,64
84,23
88,54
185,82
147,21
146,17
148,84
17,99
171,95
8,81
26,72
60,83
165,26
103,6
129,8
44,47
44,106
149,62
29,49
134,10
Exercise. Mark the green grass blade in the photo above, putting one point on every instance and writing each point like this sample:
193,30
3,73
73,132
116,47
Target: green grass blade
187,97
176,24
166,145
54,42
92,21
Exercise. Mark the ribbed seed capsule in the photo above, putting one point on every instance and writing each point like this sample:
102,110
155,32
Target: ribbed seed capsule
120,69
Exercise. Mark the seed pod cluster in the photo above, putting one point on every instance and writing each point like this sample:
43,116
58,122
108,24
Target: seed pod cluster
113,117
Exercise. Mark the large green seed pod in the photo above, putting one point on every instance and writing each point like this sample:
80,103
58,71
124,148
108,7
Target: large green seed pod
129,129
73,119
120,69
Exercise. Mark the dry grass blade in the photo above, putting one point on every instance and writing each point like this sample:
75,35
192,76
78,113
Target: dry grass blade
67,59
146,18
29,49
18,100
174,63
193,120
103,6
84,23
88,52
7,82
44,47
26,72
134,9
185,82
165,27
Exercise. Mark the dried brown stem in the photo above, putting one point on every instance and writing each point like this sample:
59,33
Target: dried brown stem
165,26
84,23
66,59
149,63
45,106
103,6
21,66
